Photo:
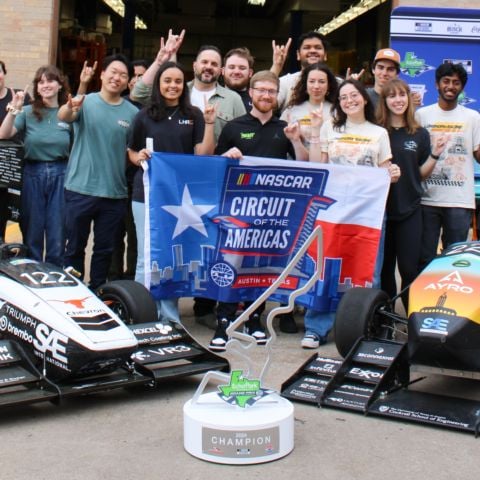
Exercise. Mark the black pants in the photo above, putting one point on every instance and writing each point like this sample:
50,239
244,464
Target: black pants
403,244
228,309
106,215
3,212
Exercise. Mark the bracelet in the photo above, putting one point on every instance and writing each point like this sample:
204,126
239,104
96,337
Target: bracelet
435,157
14,111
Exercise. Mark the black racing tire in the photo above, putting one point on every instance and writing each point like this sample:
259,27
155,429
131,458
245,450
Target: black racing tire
357,316
130,300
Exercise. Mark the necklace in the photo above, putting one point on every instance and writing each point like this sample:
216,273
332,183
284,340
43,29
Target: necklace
173,114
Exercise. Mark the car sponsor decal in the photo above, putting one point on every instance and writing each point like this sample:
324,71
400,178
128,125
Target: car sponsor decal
449,286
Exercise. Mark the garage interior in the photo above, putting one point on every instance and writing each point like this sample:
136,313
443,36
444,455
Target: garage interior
91,29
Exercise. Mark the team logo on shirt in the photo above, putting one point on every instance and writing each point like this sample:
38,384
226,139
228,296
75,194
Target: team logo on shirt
411,145
185,121
124,123
247,135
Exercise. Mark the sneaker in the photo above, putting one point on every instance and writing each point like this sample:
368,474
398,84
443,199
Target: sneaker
253,327
287,323
312,340
220,338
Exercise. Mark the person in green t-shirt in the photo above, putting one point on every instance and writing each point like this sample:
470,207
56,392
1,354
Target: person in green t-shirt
95,184
47,144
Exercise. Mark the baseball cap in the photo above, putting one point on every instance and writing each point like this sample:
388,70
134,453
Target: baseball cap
388,54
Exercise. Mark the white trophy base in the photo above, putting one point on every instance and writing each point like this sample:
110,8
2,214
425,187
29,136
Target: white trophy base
216,431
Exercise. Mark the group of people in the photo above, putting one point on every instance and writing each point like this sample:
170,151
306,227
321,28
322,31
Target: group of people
76,149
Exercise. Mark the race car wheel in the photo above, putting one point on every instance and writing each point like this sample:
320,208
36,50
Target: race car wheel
130,300
358,316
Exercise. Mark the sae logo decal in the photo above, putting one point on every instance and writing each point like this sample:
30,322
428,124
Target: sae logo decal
438,326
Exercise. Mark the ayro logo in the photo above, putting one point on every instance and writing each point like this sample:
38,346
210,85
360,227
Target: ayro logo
453,281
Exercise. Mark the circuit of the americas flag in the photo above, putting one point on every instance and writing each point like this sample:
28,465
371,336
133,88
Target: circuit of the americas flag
224,229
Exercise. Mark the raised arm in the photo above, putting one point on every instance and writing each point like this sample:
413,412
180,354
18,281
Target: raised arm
7,129
168,51
68,112
86,76
280,54
292,132
207,146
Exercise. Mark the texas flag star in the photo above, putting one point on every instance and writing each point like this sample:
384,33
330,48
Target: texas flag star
188,214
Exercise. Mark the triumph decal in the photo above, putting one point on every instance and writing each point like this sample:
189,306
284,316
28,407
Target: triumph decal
47,342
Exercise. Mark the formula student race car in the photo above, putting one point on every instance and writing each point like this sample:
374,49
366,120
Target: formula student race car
383,351
58,338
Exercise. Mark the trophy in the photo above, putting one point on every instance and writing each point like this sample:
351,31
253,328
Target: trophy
243,421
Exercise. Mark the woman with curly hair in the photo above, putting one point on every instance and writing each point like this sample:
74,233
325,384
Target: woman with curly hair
47,144
315,91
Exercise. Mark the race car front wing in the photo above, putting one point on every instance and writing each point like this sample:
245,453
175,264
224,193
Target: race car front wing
374,379
163,354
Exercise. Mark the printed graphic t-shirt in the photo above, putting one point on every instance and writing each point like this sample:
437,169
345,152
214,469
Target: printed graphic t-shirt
355,144
451,183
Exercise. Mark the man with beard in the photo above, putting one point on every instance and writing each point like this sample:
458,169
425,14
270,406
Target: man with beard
258,133
237,71
449,198
207,68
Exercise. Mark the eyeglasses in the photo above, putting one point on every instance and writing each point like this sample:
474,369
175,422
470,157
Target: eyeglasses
265,91
353,96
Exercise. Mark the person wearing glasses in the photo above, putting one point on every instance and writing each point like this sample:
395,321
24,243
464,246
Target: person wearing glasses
258,133
351,137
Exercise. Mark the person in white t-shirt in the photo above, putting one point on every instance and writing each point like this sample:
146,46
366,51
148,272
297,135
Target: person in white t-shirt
350,137
315,90
448,201
312,48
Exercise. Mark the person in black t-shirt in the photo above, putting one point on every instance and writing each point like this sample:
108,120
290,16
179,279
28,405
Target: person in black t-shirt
410,144
258,133
175,126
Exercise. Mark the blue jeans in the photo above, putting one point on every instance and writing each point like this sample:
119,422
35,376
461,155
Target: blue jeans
320,323
107,215
167,307
454,223
42,210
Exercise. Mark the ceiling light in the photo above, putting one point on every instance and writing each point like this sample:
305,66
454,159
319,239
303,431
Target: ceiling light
118,7
348,15
257,2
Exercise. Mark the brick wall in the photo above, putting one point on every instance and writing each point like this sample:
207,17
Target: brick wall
27,37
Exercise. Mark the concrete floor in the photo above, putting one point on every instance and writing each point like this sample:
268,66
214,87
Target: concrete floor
138,434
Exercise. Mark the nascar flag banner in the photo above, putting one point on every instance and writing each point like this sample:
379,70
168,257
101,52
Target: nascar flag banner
225,229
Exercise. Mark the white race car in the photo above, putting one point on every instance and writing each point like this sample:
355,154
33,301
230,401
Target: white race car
59,338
